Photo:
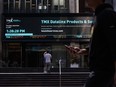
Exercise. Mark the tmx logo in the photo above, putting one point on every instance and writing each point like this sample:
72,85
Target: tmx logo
12,20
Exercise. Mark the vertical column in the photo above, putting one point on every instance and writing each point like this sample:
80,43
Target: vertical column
72,6
58,5
77,6
42,4
47,5
55,5
6,6
14,5
52,6
36,5
67,5
25,5
17,5
62,6
33,6
28,5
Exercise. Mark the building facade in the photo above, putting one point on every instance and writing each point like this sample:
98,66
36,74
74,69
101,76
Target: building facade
30,53
43,6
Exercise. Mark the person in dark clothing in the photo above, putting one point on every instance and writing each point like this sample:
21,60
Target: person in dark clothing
102,56
102,49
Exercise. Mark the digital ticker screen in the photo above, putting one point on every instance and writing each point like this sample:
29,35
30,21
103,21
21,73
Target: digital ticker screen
42,27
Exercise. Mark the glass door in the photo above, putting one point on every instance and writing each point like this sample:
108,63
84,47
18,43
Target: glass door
33,56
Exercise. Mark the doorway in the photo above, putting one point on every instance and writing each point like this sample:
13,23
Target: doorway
33,54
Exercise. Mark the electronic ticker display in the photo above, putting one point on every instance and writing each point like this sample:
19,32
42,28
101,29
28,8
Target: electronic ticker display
42,27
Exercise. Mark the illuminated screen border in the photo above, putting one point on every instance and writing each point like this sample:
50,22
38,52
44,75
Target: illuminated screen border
39,15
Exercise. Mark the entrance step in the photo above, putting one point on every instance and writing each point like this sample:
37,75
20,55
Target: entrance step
41,79
33,69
